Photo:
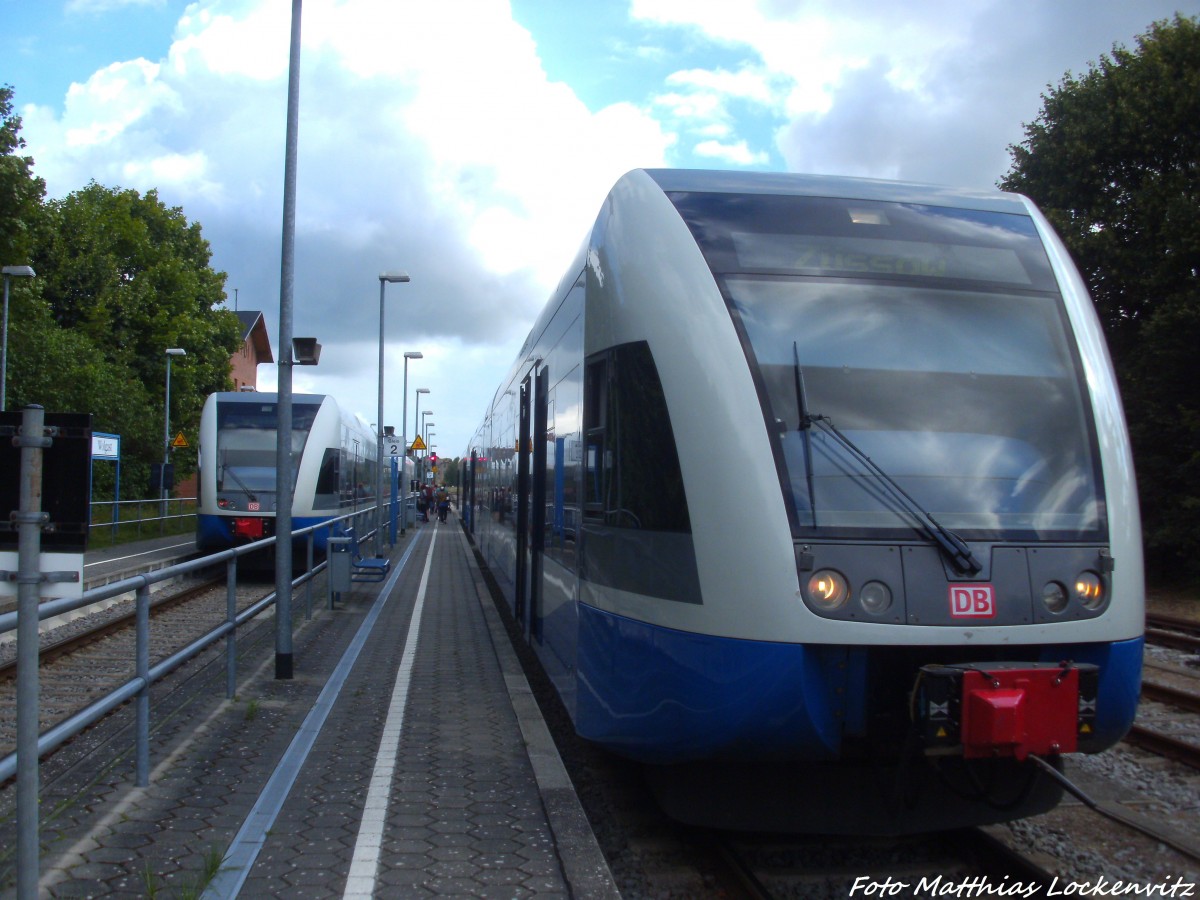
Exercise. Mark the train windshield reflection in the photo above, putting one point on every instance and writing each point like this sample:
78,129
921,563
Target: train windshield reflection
246,443
936,342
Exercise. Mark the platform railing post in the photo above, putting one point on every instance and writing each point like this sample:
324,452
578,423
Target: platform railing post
29,547
231,637
142,665
308,581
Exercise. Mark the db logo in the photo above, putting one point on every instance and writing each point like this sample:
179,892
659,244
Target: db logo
972,601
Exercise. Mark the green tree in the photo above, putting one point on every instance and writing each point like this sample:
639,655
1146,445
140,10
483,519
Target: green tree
131,277
1114,161
21,192
61,370
120,278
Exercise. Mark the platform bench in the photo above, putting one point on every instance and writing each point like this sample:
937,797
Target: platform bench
366,568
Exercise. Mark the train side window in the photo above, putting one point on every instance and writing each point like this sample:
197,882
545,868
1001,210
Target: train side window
595,412
327,480
633,477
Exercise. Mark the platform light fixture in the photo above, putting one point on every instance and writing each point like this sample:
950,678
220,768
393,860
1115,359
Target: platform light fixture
306,351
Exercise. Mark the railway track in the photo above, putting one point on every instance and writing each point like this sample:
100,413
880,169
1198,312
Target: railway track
55,648
1175,632
1166,745
86,664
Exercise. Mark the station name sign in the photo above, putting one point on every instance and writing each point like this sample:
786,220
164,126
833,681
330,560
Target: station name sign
106,446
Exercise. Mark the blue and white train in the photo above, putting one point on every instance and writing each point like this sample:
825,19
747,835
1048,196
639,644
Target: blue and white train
334,455
815,495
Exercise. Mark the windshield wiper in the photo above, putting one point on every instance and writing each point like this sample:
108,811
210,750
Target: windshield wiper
951,544
228,472
805,426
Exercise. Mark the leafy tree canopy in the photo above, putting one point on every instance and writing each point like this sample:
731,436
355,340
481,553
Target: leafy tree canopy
1114,162
131,277
21,192
121,277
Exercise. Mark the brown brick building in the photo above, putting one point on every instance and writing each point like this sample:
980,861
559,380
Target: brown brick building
256,348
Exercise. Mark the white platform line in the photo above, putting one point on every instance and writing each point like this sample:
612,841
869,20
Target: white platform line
364,865
252,836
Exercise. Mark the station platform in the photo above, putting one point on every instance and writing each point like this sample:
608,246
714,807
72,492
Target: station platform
406,757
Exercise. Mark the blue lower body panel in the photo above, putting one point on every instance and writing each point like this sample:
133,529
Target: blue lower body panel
215,533
659,695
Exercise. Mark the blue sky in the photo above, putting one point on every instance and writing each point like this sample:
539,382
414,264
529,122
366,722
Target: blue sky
471,142
53,43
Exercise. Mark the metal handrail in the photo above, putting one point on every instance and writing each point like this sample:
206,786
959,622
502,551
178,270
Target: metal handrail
138,686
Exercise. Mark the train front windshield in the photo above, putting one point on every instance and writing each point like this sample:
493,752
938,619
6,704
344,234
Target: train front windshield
934,339
246,443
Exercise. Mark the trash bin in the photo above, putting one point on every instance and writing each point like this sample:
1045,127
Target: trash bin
410,512
339,564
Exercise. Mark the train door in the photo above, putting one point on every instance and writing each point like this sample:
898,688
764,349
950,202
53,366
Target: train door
467,500
531,501
521,579
537,519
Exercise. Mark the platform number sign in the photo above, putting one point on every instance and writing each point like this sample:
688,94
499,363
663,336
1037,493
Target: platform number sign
393,447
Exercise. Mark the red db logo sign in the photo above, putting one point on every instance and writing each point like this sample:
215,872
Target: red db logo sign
972,601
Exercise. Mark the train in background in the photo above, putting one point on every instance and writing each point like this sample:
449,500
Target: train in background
334,454
815,496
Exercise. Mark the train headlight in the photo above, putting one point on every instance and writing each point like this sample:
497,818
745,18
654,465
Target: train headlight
827,589
875,597
1089,590
1054,597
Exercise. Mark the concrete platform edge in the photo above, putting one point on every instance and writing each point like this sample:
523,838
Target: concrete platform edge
584,866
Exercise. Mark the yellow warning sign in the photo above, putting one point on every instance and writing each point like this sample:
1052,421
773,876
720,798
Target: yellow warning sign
941,732
180,441
418,444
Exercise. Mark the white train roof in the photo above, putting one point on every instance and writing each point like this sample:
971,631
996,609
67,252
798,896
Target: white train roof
787,183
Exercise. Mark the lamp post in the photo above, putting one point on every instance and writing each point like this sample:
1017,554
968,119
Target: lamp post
162,474
384,279
284,490
417,424
428,412
10,272
408,354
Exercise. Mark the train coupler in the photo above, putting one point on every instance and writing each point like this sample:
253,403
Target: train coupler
1005,709
249,528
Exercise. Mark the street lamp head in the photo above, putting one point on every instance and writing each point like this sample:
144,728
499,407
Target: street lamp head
306,351
413,354
422,390
394,277
176,351
20,271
